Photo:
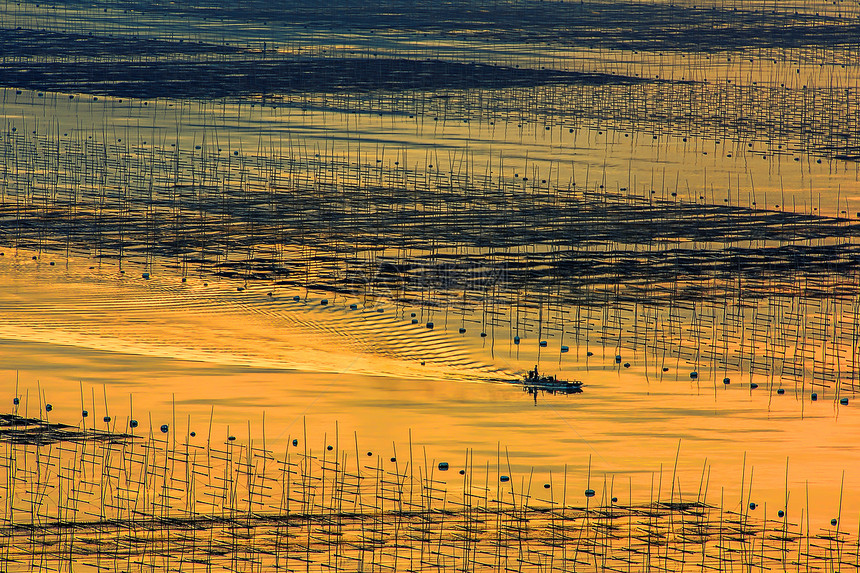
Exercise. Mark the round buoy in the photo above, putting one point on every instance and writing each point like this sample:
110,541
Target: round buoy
48,407
833,522
546,486
443,466
106,419
780,513
295,442
164,428
504,479
324,302
753,385
430,325
726,381
752,505
694,374
618,359
16,401
626,365
614,500
193,434
516,339
814,396
84,413
393,459
231,438
297,298
542,343
589,493
843,401
353,307
329,448
133,423
780,391
462,331
565,349
589,353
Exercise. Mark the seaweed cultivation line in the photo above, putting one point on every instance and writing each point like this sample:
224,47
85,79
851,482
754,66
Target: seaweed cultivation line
720,286
195,503
780,76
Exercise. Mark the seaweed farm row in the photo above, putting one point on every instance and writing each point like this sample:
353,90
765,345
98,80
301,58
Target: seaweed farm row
721,287
765,107
415,27
174,500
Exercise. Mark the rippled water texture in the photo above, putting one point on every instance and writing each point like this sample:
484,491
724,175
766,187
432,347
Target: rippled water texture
346,222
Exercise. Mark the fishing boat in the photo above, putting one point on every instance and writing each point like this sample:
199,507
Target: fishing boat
533,382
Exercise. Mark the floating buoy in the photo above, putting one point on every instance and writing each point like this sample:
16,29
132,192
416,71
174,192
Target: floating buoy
413,315
694,374
193,434
84,413
752,505
504,479
393,459
48,407
231,438
589,493
164,428
565,349
462,331
353,307
106,419
780,391
369,454
665,369
589,353
833,522
614,500
726,381
483,335
380,310
546,486
324,302
618,359
145,275
295,442
297,298
16,401
430,325
626,365
329,448
443,466
462,472
780,513
753,385
843,401
814,396
516,339
414,321
543,343
133,423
